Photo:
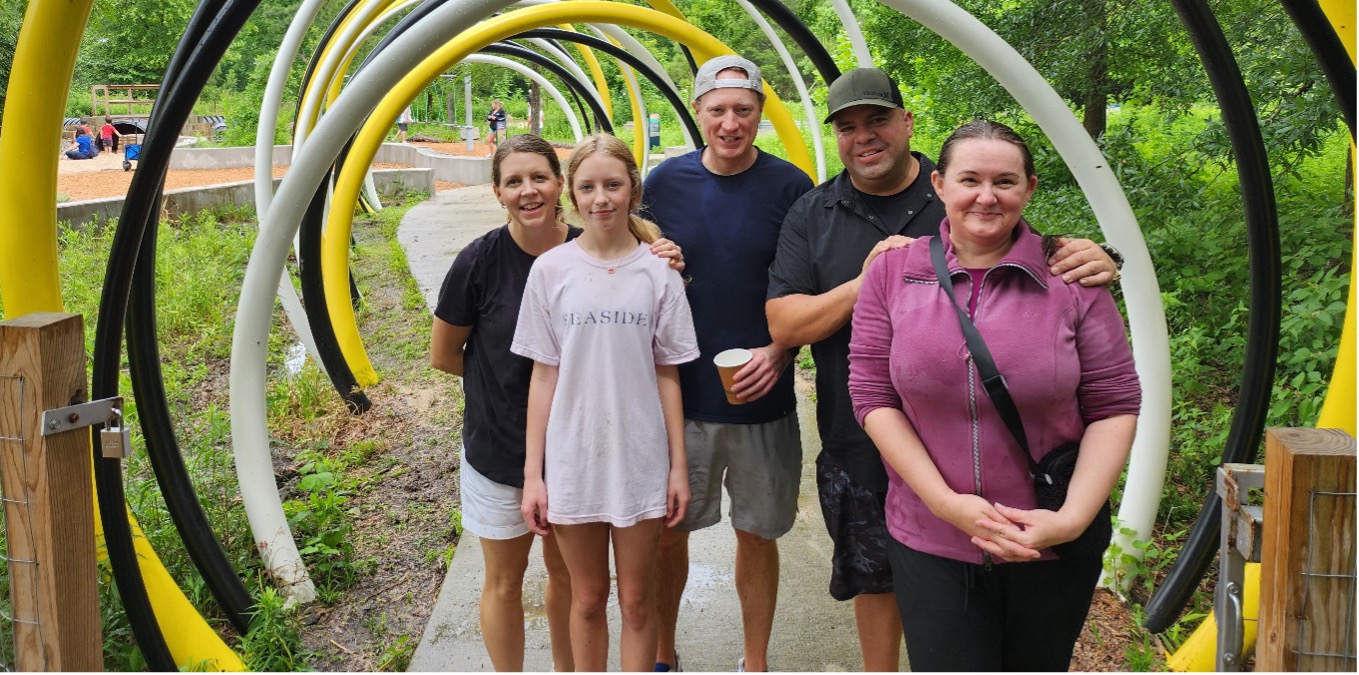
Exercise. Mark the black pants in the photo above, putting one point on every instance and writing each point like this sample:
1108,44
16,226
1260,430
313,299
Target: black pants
959,616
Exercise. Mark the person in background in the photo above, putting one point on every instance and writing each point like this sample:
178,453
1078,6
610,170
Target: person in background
82,147
977,585
880,201
497,121
402,123
703,201
606,324
109,135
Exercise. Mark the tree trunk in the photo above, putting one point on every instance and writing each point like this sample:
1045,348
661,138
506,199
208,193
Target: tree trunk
1096,90
1347,205
450,100
535,109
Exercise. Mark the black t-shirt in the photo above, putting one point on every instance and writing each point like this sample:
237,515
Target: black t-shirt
483,289
728,227
894,211
825,238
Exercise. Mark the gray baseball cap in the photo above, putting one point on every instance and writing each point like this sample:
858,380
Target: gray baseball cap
706,78
862,86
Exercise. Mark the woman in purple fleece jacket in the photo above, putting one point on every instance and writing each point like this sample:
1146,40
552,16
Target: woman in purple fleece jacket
977,585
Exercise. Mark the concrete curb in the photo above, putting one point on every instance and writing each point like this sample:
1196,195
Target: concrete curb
225,158
450,168
240,193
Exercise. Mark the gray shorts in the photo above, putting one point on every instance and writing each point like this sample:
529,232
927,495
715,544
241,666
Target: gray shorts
762,464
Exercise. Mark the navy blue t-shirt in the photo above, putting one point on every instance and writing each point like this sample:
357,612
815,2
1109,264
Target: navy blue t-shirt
483,289
728,228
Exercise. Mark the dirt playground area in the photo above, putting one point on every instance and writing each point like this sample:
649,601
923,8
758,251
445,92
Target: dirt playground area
103,176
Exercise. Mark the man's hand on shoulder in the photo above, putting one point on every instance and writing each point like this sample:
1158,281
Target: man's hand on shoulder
1083,261
758,376
670,251
894,241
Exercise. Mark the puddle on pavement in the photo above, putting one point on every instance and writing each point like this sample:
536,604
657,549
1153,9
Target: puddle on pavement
706,582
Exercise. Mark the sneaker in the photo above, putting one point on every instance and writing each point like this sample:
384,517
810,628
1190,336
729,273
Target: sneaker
667,668
741,665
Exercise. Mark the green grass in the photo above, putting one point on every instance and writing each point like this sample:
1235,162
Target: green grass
200,264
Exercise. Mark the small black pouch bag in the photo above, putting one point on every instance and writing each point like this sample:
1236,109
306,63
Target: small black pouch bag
1052,476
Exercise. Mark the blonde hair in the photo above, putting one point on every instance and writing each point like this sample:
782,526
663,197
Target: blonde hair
609,146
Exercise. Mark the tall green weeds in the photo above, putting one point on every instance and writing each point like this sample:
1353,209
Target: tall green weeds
200,263
1188,204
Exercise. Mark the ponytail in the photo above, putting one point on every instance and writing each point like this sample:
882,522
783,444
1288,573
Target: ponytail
646,231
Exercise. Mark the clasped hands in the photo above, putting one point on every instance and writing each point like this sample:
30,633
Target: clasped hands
1010,534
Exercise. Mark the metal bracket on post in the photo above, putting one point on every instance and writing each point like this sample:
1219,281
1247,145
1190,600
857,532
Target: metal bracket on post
115,439
1242,527
81,415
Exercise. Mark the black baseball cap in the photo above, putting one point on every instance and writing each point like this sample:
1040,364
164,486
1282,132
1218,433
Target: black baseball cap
862,86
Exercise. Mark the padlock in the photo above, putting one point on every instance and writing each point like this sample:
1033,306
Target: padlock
116,442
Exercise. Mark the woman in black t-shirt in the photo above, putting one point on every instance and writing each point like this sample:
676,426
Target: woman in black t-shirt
474,323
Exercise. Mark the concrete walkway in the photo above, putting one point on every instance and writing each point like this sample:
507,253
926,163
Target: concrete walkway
812,632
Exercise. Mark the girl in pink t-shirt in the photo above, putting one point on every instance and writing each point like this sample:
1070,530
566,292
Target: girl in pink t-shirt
606,324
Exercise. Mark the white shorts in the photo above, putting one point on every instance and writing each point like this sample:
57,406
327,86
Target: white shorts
490,510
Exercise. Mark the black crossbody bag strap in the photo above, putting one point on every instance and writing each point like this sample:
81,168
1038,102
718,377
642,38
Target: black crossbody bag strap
992,380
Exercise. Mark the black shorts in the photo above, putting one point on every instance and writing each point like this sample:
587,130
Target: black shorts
400,126
857,522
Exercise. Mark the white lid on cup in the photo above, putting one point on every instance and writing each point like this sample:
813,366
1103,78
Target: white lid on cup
732,358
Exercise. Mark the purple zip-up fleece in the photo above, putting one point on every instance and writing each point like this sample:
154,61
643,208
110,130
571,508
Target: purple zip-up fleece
1063,349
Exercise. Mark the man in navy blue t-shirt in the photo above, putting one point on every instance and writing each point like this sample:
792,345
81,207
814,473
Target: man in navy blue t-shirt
724,205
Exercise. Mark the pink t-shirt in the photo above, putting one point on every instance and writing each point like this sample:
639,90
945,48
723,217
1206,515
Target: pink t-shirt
606,324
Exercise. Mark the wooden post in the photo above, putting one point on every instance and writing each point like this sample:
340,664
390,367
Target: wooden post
49,508
1307,582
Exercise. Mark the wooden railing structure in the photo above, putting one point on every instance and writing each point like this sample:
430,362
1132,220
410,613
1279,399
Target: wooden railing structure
103,96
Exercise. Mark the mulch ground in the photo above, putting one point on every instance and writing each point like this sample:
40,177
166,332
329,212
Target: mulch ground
1104,641
104,177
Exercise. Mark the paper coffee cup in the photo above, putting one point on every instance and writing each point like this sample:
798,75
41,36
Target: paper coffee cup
728,362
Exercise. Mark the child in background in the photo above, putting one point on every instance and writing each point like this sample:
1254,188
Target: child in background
606,324
109,135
